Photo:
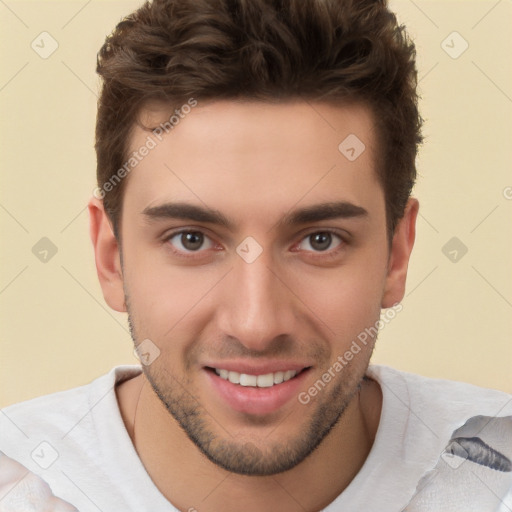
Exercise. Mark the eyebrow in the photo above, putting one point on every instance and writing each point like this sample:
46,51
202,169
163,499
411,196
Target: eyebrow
324,211
187,211
309,214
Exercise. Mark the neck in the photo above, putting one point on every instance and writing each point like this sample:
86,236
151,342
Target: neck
190,481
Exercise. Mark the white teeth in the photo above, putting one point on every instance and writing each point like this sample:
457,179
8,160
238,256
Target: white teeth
265,381
289,374
248,380
233,377
261,381
278,377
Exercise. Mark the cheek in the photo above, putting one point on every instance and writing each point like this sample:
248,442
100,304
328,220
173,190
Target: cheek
152,281
346,300
165,300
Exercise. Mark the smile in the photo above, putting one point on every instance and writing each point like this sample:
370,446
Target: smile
255,390
261,381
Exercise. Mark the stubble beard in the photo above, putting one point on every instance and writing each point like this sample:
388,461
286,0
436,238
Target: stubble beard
243,457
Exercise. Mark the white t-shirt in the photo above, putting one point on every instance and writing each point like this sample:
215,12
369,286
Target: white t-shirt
441,446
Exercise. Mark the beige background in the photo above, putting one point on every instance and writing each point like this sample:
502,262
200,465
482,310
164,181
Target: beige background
57,332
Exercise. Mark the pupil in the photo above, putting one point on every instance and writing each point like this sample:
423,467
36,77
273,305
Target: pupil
192,240
320,241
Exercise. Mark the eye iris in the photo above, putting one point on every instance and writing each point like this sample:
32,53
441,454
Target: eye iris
192,240
320,241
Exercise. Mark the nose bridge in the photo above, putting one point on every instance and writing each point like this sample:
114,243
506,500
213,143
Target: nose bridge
256,308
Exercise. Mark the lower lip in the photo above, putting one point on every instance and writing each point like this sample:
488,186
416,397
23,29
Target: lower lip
254,400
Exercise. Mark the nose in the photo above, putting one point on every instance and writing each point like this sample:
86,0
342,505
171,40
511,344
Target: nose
256,306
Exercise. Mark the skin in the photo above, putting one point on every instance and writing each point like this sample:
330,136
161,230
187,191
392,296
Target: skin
256,163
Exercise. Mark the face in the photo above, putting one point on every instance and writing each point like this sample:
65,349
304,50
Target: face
254,253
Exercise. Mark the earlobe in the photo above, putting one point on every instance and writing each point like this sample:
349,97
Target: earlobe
401,247
107,256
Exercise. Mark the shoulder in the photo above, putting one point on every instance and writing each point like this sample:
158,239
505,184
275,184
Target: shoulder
431,413
70,439
454,438
56,414
441,395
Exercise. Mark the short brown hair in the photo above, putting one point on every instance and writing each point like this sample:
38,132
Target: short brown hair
270,50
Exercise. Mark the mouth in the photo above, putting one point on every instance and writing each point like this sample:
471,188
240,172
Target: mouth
266,380
256,392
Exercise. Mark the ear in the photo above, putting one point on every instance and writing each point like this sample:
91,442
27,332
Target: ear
107,256
401,247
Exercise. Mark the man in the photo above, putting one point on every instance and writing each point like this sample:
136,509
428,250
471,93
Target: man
253,217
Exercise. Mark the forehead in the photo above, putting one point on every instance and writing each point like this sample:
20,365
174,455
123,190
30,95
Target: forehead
255,155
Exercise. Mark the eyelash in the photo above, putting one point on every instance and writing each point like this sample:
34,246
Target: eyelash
191,255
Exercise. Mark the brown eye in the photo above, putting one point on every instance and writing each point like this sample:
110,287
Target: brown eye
190,241
320,241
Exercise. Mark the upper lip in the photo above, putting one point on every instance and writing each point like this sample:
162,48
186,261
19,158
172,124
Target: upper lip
250,368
